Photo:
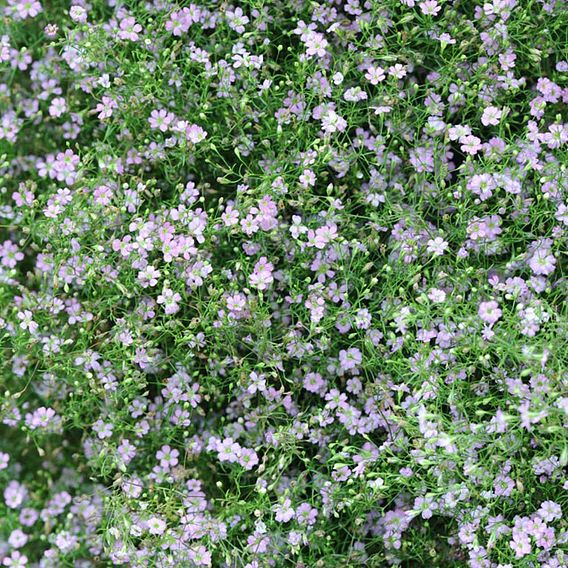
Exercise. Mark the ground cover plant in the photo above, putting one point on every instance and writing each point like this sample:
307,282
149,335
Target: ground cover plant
282,283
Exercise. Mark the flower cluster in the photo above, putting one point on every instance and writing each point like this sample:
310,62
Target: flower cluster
283,283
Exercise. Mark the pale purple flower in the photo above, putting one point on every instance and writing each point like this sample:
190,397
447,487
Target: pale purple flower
487,333
199,556
283,511
28,516
106,107
503,486
149,276
350,359
167,456
257,383
103,429
42,418
397,70
337,78
18,538
446,39
228,450
10,254
331,122
542,261
307,178
126,451
355,94
314,382
66,542
306,514
550,511
23,9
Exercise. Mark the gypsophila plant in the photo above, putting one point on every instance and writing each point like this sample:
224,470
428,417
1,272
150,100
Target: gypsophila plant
283,283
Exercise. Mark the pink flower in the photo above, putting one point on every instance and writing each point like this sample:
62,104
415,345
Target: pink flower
195,134
15,560
283,512
57,107
470,144
180,22
10,255
437,246
102,195
155,526
262,277
27,9
170,300
129,29
78,14
489,312
161,119
491,116
248,458
521,546
375,74
307,178
4,459
237,20
27,322
315,44
430,7
148,277
437,296
106,107
398,71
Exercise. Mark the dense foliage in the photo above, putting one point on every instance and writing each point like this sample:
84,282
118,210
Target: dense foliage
282,283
